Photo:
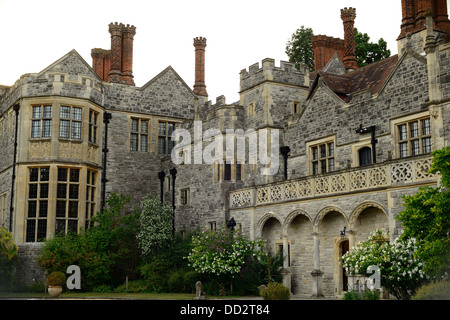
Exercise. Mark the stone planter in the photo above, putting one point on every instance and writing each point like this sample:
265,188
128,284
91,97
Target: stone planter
54,291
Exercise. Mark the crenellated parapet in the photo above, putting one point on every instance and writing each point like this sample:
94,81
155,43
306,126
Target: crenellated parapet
286,73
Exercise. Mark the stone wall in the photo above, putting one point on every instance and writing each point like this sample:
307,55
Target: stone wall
28,270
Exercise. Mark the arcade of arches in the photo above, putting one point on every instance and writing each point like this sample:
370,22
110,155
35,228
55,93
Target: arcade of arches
315,243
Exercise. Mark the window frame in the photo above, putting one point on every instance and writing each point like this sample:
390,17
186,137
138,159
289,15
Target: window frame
411,137
68,199
185,196
43,119
38,221
139,136
71,120
166,137
318,160
94,116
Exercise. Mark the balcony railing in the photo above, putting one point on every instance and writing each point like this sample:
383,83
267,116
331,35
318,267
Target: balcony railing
405,171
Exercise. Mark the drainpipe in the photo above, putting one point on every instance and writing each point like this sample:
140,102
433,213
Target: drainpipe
106,117
173,172
16,108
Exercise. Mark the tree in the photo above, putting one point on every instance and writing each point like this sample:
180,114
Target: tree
299,48
426,217
105,253
7,245
368,52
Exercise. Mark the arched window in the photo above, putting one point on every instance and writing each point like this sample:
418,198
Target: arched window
365,156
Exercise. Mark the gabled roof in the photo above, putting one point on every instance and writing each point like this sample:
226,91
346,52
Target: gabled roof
371,77
157,77
65,57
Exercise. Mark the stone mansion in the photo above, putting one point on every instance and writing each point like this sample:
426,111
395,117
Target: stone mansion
349,142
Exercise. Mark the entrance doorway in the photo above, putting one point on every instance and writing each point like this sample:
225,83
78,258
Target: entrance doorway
344,249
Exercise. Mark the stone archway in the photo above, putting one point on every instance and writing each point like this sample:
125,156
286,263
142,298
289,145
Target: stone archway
366,218
331,222
299,229
271,231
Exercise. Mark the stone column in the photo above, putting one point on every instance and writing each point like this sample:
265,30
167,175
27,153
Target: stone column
348,16
199,85
286,273
316,273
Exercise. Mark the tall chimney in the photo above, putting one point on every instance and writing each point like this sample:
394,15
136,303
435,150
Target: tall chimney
441,17
324,49
348,16
100,62
408,17
199,86
115,72
128,33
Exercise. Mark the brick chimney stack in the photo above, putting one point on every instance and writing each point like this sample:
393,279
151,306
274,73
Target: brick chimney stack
324,48
348,16
199,85
101,62
414,16
115,73
128,33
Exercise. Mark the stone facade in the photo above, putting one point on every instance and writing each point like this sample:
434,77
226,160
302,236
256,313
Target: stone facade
358,139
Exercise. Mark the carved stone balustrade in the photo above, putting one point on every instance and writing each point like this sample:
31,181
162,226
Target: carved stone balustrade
394,173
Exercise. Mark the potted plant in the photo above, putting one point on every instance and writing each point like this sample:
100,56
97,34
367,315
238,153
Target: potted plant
55,281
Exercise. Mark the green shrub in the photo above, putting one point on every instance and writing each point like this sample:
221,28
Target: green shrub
176,282
36,287
6,273
275,291
190,279
439,290
135,286
366,295
156,274
56,278
102,288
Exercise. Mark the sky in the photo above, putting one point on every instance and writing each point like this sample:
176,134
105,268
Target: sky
239,33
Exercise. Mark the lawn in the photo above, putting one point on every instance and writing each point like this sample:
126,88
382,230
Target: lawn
99,295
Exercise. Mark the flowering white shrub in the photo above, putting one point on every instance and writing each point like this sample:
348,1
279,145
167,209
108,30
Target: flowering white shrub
222,251
155,225
401,271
